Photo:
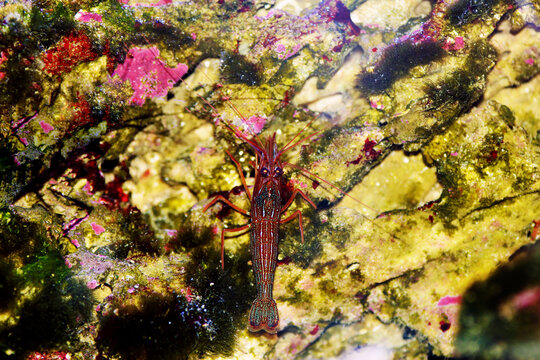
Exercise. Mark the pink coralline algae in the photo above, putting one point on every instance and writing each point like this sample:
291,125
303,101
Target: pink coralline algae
148,75
92,284
98,229
282,51
156,3
84,16
454,44
254,124
376,105
449,300
46,127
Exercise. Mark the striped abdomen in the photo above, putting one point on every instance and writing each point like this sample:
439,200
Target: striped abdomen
265,216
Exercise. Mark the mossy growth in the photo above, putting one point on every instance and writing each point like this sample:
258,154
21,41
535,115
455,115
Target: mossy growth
316,230
10,284
11,175
48,266
103,109
395,297
228,293
120,18
318,149
234,7
463,87
525,68
153,31
47,27
160,327
138,238
396,62
294,295
464,12
237,70
174,326
49,320
189,236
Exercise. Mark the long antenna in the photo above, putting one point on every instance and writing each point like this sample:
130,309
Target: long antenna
345,194
284,149
237,111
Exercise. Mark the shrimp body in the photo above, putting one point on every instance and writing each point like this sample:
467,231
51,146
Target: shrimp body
267,208
265,218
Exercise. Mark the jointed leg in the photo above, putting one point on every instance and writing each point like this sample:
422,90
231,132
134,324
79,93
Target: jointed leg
295,192
298,214
226,201
223,231
242,178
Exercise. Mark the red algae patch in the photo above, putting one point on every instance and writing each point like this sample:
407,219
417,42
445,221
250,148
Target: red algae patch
69,52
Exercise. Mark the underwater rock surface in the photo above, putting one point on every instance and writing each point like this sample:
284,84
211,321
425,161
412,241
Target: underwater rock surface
113,137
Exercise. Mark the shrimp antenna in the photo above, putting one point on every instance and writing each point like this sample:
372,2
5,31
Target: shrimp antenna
344,193
236,131
284,149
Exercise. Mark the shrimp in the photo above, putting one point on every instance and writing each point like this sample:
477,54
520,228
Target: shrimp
265,215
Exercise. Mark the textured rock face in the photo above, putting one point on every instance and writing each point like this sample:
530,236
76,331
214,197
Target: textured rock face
114,126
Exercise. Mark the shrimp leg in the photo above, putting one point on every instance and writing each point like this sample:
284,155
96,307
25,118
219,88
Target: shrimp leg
223,231
298,214
295,192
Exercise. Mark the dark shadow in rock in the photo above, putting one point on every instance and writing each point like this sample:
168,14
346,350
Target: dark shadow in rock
500,317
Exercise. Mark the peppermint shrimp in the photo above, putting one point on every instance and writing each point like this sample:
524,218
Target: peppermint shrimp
265,216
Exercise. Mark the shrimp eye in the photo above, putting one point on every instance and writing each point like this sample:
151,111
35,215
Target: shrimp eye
264,172
278,171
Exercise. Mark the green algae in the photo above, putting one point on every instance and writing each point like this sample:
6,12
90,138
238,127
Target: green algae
461,87
21,239
200,322
49,319
236,69
120,18
478,165
46,304
10,285
44,266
